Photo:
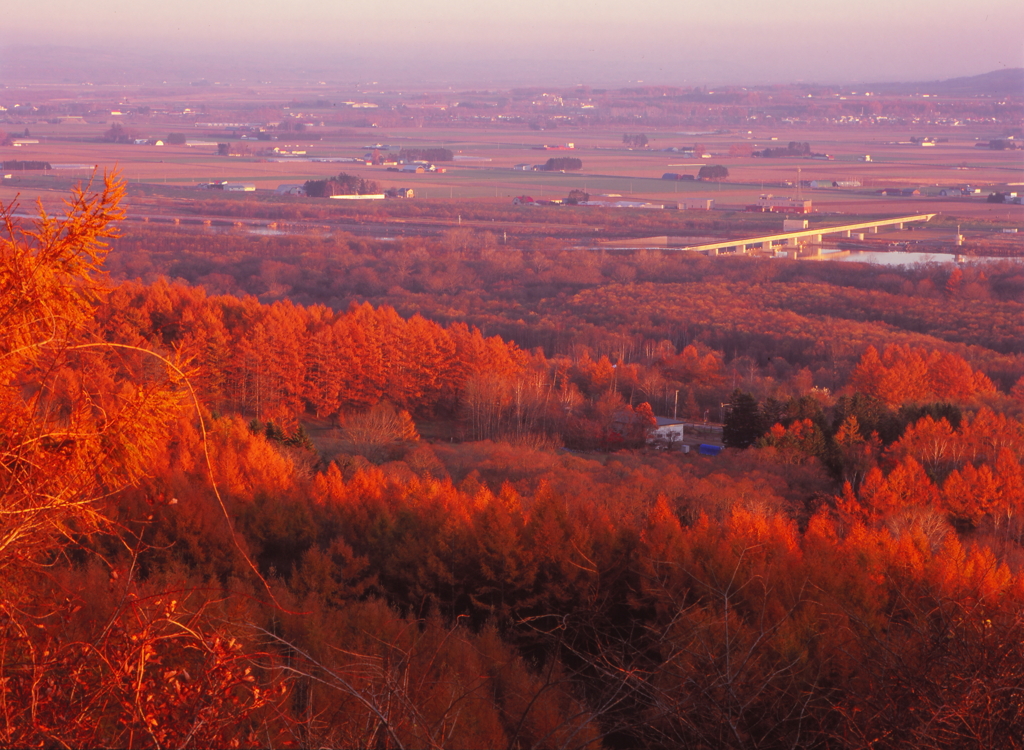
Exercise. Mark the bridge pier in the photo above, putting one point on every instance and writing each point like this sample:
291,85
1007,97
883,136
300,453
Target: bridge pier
847,233
873,230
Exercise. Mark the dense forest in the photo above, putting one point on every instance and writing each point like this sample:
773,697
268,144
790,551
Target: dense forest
308,491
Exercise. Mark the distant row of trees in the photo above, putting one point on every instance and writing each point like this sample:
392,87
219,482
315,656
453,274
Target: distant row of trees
23,165
635,140
1001,144
713,172
426,154
562,164
118,133
795,148
343,184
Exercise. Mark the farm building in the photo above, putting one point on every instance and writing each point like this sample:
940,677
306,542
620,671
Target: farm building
667,432
769,203
523,200
290,190
230,187
699,204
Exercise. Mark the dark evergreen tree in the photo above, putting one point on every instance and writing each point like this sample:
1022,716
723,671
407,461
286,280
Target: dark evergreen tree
744,423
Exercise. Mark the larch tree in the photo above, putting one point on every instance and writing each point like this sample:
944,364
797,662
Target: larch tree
81,419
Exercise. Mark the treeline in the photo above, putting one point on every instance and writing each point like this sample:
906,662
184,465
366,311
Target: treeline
343,184
284,363
562,164
795,148
426,154
767,318
118,133
21,164
714,172
882,404
279,362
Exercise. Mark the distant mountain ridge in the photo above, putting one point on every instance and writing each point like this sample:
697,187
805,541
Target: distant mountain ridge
1004,82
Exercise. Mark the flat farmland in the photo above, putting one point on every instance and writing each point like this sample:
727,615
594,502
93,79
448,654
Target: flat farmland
485,155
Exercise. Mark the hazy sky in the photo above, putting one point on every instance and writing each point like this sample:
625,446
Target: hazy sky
571,41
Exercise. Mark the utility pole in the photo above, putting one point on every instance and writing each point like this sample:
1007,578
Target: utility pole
675,407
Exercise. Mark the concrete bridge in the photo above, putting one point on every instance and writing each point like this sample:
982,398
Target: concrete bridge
765,242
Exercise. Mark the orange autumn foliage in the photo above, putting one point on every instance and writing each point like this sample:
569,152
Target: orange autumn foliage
902,374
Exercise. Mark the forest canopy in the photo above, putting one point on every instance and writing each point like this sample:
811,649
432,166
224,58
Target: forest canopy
235,521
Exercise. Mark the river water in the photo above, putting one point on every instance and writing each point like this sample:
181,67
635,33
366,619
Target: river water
910,259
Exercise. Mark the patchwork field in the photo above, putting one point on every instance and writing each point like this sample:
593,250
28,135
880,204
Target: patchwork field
485,154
